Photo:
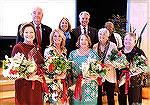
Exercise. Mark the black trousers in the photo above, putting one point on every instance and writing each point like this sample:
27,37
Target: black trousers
134,95
109,88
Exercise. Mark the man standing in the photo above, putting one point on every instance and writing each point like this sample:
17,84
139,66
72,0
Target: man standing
42,31
84,28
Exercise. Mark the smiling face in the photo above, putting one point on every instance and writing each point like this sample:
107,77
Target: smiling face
129,41
103,35
29,34
84,42
64,25
84,19
57,38
37,15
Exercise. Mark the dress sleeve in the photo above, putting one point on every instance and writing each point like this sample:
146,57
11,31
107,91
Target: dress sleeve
16,49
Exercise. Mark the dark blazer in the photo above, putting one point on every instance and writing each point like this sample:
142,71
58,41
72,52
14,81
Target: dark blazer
72,45
45,36
92,32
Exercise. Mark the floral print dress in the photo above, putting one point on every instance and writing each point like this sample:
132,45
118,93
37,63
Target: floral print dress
90,88
55,86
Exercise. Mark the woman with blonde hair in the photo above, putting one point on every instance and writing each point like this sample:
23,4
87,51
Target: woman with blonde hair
55,49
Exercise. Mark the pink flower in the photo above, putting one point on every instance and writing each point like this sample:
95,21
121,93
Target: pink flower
103,65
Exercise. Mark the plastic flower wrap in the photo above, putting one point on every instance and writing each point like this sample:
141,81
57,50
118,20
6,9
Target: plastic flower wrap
18,66
93,67
138,65
117,59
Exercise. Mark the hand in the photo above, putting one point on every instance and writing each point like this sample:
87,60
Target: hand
109,67
61,76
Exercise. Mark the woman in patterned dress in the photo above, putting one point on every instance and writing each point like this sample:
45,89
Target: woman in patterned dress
86,89
56,48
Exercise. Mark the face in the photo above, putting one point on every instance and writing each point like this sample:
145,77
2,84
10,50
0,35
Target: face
64,25
57,38
84,20
84,41
103,37
129,41
29,34
37,15
110,28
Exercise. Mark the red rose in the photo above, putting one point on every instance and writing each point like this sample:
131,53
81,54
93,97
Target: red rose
51,67
13,72
102,65
119,53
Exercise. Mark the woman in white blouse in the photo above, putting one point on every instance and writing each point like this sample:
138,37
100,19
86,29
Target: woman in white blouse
104,48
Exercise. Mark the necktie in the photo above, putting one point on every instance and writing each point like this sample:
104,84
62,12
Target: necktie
84,30
38,35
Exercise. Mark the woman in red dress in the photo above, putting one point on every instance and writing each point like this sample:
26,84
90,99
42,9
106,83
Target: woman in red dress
29,91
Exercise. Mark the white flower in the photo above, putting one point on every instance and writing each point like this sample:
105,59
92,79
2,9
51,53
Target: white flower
6,73
31,68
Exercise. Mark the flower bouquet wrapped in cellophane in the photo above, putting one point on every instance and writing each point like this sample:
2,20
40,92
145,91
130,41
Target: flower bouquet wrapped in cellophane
138,65
18,66
93,67
117,59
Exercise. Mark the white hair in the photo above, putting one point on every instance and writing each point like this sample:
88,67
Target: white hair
103,31
84,12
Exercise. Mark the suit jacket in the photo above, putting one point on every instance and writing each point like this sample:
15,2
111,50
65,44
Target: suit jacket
45,36
92,32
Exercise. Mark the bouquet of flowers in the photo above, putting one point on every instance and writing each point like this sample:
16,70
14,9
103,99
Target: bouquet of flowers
57,64
93,67
57,67
138,65
117,59
18,66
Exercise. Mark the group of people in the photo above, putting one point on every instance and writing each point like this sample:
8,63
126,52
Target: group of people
77,45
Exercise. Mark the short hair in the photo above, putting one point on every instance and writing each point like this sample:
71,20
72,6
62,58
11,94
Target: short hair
84,12
37,8
133,35
69,25
104,31
109,23
63,43
23,26
88,38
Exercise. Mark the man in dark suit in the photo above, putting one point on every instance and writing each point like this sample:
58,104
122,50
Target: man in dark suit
84,28
44,31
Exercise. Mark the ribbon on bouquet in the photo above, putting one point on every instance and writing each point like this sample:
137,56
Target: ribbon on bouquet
78,89
126,72
100,83
64,95
40,72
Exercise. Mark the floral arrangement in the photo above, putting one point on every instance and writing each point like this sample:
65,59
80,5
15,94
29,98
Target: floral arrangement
18,66
56,67
57,64
93,67
138,65
117,59
119,24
